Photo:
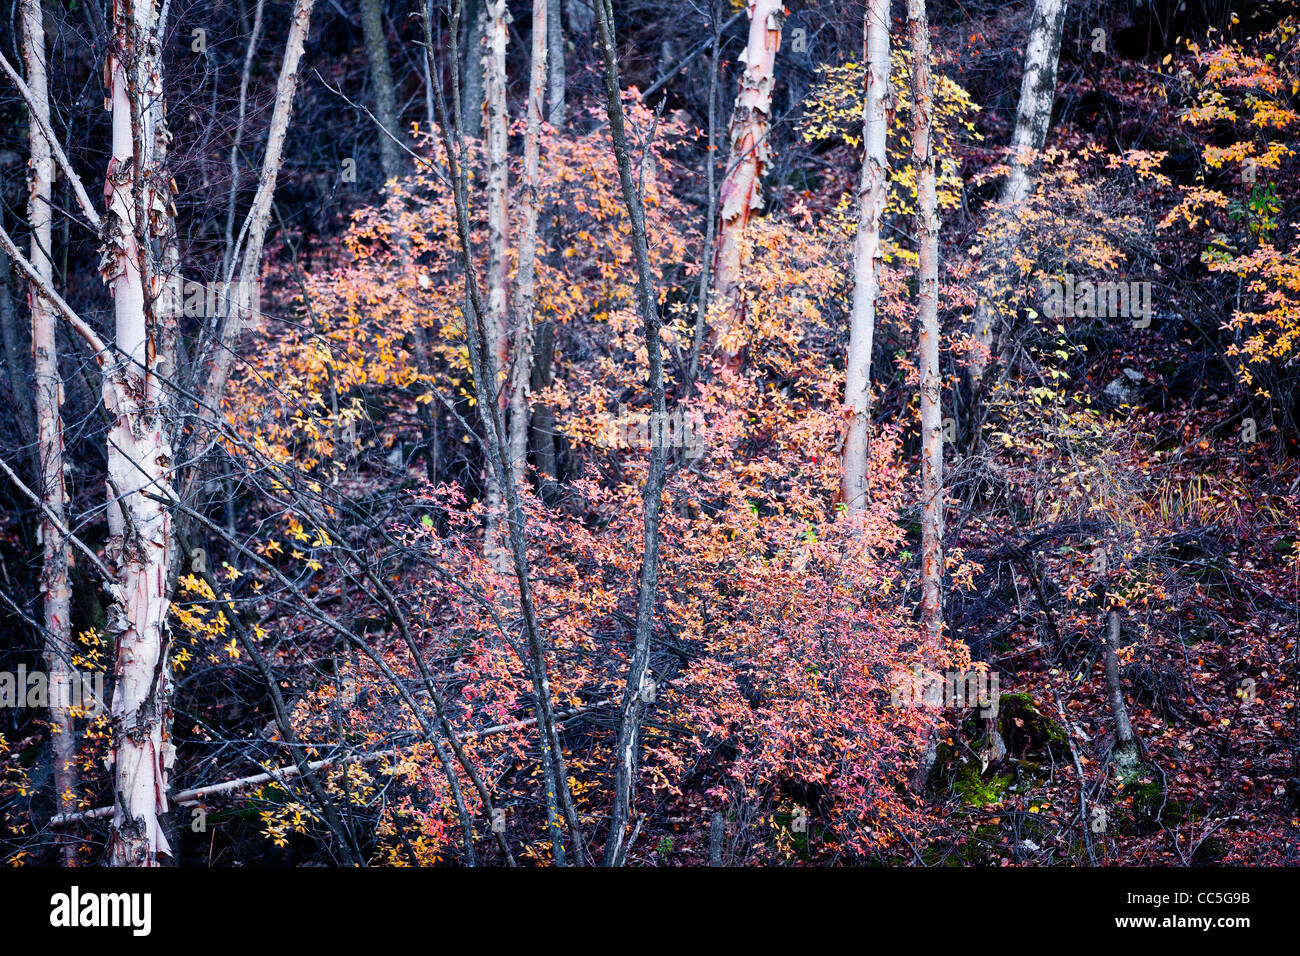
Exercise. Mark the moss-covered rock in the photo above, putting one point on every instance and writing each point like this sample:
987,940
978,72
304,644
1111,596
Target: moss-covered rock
978,791
1025,731
1149,809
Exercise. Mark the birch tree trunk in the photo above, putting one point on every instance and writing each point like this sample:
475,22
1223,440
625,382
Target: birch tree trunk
525,292
742,186
868,260
247,291
381,76
244,262
927,237
498,214
927,232
1033,116
48,399
558,79
254,37
141,540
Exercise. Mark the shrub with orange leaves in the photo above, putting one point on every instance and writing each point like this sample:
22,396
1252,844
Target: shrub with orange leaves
778,640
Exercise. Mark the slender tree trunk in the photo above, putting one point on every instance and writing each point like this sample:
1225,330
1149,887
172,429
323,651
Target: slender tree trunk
544,444
711,184
927,234
48,399
868,260
254,37
1033,117
632,709
498,179
248,289
243,271
498,213
542,356
742,186
555,56
542,350
430,114
525,292
1126,750
381,78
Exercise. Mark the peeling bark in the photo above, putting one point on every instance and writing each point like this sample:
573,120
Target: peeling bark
742,186
142,546
141,540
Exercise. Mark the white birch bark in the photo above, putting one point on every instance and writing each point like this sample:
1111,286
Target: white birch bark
48,399
142,544
742,186
244,261
525,291
139,451
498,214
927,232
557,75
1033,116
868,259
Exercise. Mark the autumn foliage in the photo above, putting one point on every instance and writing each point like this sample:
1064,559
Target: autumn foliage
336,624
